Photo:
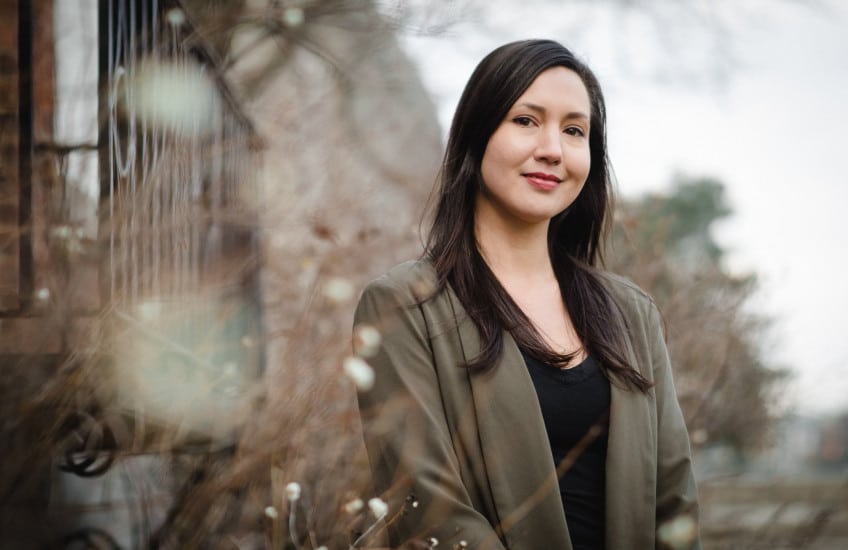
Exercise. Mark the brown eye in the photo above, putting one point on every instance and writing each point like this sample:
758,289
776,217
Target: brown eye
575,131
524,121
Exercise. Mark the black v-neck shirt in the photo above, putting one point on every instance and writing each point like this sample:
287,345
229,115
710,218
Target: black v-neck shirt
575,404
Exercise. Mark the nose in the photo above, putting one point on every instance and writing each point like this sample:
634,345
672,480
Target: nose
549,147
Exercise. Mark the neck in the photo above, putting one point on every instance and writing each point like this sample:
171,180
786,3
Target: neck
514,252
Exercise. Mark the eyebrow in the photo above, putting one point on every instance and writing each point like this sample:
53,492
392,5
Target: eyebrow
542,110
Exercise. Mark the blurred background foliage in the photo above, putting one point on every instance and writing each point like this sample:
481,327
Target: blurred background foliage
665,243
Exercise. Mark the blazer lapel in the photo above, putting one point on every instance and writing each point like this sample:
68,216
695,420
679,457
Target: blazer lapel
514,445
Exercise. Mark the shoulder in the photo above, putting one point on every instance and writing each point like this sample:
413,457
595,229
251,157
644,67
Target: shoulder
633,302
412,281
407,274
394,302
623,288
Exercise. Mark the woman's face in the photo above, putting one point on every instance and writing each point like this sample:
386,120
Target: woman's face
537,160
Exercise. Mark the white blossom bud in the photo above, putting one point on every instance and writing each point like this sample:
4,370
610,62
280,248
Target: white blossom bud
271,512
432,542
700,436
175,17
43,294
423,287
149,311
293,17
293,491
678,533
378,507
61,232
353,506
366,340
338,290
178,97
360,372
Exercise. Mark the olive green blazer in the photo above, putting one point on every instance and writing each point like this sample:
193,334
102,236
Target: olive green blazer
464,456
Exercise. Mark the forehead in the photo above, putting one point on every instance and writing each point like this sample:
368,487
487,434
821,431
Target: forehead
558,87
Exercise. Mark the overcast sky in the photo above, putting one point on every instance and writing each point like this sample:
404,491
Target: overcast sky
755,98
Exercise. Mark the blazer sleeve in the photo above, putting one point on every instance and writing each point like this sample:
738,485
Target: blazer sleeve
406,434
677,492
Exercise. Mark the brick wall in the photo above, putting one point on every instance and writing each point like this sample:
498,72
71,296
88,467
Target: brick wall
9,176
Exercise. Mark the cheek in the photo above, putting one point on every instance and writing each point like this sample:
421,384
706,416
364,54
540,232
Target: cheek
492,163
581,164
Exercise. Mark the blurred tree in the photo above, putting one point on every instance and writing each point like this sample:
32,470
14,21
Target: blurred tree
665,244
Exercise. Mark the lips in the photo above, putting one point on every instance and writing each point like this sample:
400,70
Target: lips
542,180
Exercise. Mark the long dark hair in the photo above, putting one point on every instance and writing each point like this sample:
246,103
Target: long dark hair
574,235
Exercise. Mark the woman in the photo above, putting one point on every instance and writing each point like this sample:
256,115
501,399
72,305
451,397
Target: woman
523,398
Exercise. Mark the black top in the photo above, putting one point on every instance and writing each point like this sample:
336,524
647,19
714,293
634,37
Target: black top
573,402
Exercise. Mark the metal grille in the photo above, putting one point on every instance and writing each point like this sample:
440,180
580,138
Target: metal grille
177,221
178,185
